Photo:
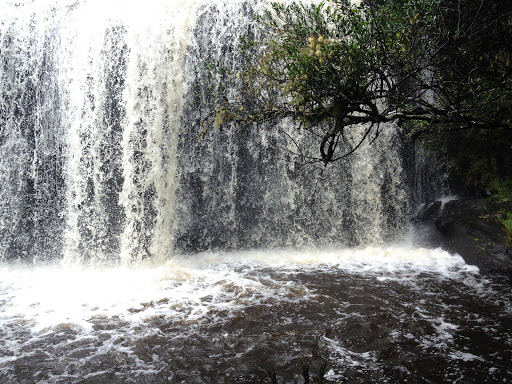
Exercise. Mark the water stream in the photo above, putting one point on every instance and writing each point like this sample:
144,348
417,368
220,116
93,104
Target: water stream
133,252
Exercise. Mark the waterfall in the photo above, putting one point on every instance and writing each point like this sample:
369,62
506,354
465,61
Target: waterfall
100,159
133,250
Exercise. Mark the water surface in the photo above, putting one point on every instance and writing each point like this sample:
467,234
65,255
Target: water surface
373,315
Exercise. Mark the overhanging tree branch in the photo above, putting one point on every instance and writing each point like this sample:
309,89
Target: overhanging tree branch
332,66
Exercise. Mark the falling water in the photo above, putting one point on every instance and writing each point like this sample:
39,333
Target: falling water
132,251
100,155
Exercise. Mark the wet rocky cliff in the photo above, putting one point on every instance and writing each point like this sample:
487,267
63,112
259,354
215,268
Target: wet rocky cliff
471,228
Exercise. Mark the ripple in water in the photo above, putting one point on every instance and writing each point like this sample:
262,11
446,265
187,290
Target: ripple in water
372,315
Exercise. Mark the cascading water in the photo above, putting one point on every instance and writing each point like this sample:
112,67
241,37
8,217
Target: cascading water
102,154
91,111
161,257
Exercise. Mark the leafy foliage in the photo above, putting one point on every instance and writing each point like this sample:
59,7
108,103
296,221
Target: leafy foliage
443,66
474,63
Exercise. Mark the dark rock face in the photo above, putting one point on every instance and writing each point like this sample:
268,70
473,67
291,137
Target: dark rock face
428,212
467,227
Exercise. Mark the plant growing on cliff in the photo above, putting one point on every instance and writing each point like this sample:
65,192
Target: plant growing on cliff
333,65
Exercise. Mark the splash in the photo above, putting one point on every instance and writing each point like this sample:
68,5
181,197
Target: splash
190,289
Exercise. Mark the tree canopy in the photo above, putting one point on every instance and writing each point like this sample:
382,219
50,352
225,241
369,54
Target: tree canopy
437,66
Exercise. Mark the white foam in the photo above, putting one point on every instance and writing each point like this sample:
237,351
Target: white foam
349,358
464,356
190,287
393,259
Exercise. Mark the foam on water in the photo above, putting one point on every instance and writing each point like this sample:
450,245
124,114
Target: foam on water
46,296
149,319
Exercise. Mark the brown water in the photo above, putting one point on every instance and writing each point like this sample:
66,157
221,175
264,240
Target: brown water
396,315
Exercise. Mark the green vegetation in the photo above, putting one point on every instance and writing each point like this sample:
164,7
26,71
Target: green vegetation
500,203
439,67
478,64
507,221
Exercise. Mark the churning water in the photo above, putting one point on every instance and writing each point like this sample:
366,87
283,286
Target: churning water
374,315
132,252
